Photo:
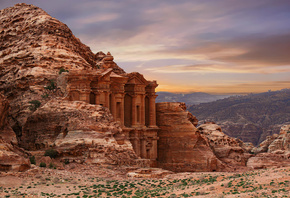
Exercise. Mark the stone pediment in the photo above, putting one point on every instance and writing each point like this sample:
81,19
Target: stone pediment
136,78
105,75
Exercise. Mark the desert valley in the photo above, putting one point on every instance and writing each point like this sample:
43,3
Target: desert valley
73,123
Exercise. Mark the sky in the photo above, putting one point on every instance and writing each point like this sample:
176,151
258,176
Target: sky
213,46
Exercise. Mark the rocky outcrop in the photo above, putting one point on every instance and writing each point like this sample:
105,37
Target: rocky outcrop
226,148
277,143
268,160
107,61
34,47
11,157
79,131
250,118
273,152
180,146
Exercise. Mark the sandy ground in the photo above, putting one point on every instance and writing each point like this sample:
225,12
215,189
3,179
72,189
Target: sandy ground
77,180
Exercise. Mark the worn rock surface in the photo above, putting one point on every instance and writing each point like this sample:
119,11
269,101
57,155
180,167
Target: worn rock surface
11,157
226,148
277,143
268,160
79,132
33,48
273,152
180,146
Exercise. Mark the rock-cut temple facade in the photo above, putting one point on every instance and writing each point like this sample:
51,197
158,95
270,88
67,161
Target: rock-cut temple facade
131,100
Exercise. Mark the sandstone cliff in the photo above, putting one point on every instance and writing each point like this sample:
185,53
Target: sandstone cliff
11,157
33,48
229,150
273,152
180,146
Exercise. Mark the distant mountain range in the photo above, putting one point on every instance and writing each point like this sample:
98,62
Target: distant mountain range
250,118
190,98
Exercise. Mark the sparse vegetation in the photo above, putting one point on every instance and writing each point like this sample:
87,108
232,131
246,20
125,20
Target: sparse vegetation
32,160
42,164
34,104
51,86
51,153
45,95
62,70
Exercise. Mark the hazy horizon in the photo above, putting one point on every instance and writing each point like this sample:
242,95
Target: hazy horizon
217,47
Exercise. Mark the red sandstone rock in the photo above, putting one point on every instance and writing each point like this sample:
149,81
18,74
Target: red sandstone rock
181,147
268,160
226,148
273,152
79,131
277,143
33,48
10,155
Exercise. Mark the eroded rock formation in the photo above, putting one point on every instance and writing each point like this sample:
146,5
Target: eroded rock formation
180,146
79,132
226,148
273,152
11,157
33,48
277,143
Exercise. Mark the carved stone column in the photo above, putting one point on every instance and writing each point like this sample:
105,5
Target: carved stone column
107,100
113,106
85,96
143,147
152,111
136,143
97,97
134,112
122,111
154,148
143,110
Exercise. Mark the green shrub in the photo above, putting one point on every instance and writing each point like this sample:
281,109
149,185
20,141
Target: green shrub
51,165
34,104
66,161
51,153
32,159
62,70
42,164
45,95
51,85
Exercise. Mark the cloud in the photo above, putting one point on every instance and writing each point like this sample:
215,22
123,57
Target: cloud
240,40
215,68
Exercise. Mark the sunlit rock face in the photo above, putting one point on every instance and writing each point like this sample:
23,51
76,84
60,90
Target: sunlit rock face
180,146
33,48
273,152
226,148
79,131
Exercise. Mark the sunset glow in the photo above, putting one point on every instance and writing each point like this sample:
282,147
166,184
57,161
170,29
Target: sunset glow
225,46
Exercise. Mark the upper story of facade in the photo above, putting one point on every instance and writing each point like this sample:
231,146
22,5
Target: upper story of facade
130,97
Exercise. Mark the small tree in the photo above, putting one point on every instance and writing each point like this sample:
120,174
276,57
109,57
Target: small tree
51,153
32,159
51,85
42,164
34,104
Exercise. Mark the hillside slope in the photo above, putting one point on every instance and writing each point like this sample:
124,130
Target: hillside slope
250,118
189,99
